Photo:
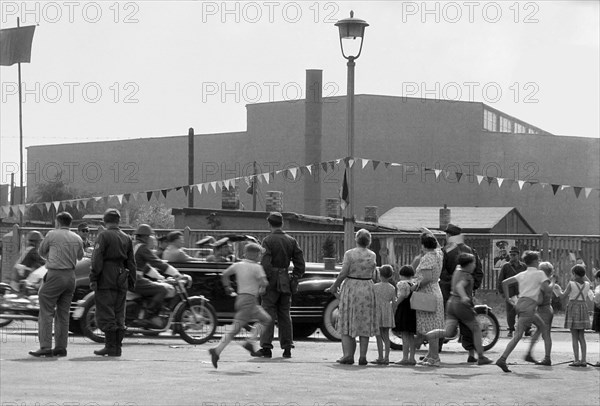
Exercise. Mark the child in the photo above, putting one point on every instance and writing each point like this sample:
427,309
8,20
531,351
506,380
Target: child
406,318
530,284
545,311
385,298
577,319
596,320
460,306
251,283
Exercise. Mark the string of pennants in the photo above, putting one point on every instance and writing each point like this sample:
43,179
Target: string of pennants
287,174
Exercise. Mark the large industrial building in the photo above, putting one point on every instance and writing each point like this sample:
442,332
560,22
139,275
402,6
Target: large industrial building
467,137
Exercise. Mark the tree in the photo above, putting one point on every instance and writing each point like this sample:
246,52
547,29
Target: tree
156,215
51,192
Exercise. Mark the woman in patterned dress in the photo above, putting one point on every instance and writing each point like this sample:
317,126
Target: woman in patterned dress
357,299
427,275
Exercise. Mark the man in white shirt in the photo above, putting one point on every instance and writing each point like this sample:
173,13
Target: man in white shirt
530,283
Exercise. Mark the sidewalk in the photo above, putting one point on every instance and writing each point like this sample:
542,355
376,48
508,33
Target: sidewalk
167,371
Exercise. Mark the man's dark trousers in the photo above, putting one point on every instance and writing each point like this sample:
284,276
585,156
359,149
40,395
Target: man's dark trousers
110,309
278,306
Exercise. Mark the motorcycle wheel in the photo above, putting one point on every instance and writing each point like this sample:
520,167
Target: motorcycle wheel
200,331
395,340
5,322
490,328
330,320
88,322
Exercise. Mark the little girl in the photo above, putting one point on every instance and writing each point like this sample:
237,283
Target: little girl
596,319
406,318
385,299
577,319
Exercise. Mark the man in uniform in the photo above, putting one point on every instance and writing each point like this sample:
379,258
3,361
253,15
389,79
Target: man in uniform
61,248
280,249
455,246
222,251
113,273
145,261
511,268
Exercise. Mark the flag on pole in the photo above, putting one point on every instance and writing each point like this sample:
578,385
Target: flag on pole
15,45
344,193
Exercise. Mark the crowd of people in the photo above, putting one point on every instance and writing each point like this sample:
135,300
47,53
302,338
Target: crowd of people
371,301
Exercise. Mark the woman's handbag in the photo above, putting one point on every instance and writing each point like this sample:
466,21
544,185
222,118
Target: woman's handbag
424,302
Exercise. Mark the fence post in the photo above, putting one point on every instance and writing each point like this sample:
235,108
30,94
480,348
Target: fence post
545,246
186,236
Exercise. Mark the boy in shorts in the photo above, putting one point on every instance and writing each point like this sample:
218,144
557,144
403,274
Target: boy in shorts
251,283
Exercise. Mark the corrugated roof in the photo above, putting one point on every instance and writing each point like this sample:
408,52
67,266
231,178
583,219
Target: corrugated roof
472,218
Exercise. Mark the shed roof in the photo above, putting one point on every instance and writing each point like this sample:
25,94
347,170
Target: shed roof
470,219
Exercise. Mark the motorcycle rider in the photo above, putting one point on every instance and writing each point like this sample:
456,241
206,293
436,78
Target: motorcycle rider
147,265
29,261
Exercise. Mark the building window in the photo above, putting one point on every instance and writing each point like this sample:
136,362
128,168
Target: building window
505,125
532,131
489,120
520,129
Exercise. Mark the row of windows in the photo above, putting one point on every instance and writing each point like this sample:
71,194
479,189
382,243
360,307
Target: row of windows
504,125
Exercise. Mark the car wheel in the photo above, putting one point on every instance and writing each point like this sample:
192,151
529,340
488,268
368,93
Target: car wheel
88,322
330,321
395,340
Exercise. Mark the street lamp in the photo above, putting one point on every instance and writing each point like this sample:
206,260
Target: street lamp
352,31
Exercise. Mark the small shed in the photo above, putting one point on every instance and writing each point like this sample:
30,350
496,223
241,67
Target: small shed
490,220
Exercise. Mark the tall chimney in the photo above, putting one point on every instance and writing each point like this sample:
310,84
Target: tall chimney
313,132
444,217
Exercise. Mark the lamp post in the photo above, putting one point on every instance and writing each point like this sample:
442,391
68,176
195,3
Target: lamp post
351,30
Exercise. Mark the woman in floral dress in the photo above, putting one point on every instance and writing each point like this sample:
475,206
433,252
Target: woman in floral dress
357,299
427,275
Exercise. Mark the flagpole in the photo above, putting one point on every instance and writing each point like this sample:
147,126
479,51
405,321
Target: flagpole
21,191
254,186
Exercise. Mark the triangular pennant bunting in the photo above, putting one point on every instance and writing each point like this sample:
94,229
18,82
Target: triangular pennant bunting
375,164
521,183
555,188
577,190
500,180
479,179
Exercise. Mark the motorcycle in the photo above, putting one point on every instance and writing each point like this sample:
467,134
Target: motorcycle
18,305
192,317
490,330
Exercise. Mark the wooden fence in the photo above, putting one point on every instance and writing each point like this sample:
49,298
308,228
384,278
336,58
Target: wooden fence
394,248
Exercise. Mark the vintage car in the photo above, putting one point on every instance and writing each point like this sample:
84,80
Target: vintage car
312,307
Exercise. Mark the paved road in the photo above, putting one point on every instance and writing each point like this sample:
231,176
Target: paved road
167,371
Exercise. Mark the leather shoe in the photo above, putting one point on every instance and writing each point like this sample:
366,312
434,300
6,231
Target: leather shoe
214,357
483,360
287,353
59,352
42,352
502,364
471,359
250,348
545,362
529,358
264,352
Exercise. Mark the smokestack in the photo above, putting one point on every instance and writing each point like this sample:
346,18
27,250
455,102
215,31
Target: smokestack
444,217
313,132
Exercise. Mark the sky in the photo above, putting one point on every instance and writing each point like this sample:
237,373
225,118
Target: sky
138,69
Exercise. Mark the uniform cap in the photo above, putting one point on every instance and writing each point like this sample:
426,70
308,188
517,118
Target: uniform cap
275,218
144,229
514,249
209,239
174,235
219,243
451,229
34,236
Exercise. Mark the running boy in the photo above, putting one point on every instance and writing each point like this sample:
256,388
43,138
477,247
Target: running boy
251,283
